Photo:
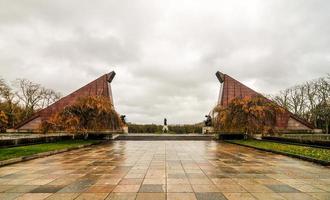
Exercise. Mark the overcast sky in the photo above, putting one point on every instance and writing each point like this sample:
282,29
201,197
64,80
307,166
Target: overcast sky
165,53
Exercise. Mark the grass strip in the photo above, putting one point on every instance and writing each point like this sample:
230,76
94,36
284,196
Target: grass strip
15,152
305,151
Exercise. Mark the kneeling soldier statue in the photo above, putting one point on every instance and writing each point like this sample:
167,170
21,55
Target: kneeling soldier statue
208,121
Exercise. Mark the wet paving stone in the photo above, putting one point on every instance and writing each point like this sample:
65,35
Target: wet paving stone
152,188
165,170
63,196
176,176
283,189
179,188
181,196
121,196
34,196
151,196
9,196
22,189
127,188
94,196
210,196
46,189
100,189
79,186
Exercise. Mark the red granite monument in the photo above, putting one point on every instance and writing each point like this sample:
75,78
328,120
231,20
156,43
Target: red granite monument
231,89
99,87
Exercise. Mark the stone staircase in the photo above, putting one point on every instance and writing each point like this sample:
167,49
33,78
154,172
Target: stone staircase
138,136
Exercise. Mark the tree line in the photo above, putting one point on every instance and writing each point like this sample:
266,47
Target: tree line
20,99
153,128
310,101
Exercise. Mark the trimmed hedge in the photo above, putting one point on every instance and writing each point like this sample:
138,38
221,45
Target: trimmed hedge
325,143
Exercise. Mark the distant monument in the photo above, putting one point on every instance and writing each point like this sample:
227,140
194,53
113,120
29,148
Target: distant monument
165,127
99,87
231,89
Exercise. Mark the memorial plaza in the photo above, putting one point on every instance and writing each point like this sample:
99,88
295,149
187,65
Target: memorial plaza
165,170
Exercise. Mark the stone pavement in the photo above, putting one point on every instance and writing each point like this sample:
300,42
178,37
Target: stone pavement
165,170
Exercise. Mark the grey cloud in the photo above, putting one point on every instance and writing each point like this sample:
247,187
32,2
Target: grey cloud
165,53
92,49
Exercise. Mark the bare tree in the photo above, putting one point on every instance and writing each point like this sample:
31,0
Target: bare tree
322,111
5,91
49,96
309,100
297,99
30,94
323,89
282,98
312,100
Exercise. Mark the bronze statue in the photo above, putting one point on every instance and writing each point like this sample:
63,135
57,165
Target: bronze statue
165,127
208,121
122,117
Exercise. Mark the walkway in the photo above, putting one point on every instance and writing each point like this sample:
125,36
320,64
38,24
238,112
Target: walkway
165,170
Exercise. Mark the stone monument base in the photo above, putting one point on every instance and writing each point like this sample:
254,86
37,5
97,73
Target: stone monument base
207,129
125,129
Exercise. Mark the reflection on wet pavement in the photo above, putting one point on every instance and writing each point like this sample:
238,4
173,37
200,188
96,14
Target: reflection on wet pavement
165,170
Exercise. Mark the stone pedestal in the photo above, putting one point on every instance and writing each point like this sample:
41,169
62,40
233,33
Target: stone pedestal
125,129
207,129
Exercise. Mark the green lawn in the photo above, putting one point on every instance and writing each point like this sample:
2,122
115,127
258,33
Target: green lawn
311,152
14,152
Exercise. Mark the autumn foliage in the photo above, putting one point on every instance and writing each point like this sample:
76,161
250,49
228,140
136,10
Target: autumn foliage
92,113
249,115
3,121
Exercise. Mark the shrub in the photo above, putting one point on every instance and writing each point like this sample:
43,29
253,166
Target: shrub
91,113
248,115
